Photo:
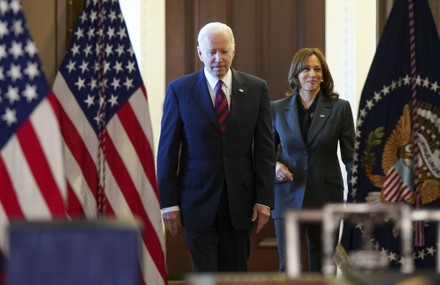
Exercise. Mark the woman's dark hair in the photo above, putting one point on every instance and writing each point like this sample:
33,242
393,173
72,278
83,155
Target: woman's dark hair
298,64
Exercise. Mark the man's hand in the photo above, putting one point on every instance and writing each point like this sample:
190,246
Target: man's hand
172,221
262,213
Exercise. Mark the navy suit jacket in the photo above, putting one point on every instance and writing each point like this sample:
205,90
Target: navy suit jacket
195,160
315,164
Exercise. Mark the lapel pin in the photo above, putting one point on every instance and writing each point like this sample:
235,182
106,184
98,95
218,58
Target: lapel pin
322,115
240,90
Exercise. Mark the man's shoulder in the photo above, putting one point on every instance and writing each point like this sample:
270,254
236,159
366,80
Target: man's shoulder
247,76
185,79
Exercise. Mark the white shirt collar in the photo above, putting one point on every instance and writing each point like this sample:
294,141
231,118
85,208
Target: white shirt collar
212,81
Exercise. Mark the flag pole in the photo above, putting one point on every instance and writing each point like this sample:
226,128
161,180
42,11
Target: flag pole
101,114
419,234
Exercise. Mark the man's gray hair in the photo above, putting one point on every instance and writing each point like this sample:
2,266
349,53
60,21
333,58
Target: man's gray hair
216,27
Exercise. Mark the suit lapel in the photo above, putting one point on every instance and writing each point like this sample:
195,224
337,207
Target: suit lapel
201,95
322,112
292,118
238,92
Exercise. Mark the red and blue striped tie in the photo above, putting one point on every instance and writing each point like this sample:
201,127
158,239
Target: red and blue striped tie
221,107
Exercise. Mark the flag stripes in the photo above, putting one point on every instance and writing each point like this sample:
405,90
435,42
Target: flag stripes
7,197
394,189
32,170
129,173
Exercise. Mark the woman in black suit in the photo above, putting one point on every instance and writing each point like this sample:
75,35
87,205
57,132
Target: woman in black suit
308,125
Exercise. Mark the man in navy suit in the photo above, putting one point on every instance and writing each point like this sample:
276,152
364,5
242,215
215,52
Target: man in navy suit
216,179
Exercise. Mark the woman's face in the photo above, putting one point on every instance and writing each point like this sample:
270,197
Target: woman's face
310,77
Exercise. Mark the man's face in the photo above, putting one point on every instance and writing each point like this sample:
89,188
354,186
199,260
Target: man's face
216,52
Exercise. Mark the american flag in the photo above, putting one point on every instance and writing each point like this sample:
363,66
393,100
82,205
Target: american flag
107,131
32,183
